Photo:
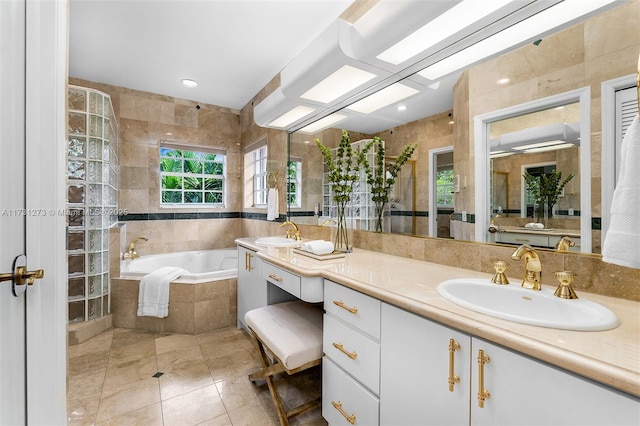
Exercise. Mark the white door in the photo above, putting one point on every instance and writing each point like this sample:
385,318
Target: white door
32,135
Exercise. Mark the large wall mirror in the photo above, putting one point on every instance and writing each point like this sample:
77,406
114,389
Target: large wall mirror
556,100
538,138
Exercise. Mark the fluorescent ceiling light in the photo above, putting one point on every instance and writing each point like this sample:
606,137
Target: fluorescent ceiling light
344,80
382,98
293,115
453,20
549,148
189,83
323,123
531,27
539,145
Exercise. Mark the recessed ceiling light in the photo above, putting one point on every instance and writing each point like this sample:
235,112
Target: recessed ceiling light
402,108
189,83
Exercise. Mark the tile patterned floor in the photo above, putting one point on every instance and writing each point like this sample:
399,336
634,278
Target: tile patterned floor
204,381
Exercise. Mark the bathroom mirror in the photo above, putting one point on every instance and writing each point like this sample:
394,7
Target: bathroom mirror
538,137
556,65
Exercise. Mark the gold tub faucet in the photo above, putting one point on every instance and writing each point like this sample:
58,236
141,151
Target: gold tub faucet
131,252
294,232
532,266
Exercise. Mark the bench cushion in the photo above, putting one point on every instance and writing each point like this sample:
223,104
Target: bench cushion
291,330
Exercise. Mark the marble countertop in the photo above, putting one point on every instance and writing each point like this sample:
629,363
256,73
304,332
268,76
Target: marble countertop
611,357
552,231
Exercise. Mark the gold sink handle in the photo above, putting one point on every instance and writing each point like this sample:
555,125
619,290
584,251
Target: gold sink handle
565,290
499,277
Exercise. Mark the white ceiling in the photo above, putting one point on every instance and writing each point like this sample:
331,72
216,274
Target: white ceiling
232,48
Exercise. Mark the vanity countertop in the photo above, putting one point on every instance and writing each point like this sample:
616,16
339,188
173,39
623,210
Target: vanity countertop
544,231
611,357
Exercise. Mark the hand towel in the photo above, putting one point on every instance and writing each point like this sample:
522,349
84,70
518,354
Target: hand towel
153,294
320,247
272,204
306,245
622,241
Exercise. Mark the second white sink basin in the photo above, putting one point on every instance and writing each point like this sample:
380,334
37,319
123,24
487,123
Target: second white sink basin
514,303
277,242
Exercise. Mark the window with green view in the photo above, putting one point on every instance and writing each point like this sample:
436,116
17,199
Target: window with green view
444,188
192,177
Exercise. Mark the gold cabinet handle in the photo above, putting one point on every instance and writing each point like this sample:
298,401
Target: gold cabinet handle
338,406
482,392
247,261
341,304
22,276
275,277
338,346
453,378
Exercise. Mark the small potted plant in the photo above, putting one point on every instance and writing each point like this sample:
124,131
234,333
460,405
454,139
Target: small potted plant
546,188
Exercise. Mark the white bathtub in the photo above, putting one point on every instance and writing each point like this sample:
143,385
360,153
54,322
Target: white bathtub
203,265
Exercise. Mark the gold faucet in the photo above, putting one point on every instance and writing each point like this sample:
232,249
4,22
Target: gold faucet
532,266
327,222
131,252
564,244
294,230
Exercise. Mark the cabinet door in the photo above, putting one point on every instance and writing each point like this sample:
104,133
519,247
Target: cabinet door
524,391
415,362
252,291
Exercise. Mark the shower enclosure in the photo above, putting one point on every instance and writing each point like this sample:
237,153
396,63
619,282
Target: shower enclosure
92,200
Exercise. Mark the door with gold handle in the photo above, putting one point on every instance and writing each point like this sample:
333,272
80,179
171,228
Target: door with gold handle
20,277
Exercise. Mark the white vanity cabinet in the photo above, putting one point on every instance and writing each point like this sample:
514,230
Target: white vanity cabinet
417,364
252,290
419,358
351,366
525,391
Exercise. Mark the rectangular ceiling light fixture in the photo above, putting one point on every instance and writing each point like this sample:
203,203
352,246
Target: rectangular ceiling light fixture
342,81
383,98
453,20
292,116
527,29
547,148
323,123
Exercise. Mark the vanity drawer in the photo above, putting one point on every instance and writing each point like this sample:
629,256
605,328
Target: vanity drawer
281,278
341,394
354,352
515,238
355,308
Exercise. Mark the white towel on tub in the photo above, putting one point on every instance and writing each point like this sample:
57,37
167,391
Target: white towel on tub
153,294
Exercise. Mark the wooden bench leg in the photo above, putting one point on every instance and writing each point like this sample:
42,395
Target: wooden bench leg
267,372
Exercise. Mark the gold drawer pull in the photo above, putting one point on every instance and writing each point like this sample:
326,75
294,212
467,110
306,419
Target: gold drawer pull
275,277
338,346
338,406
453,378
341,304
482,392
247,261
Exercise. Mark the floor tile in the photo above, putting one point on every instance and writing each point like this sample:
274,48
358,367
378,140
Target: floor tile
150,415
193,408
123,399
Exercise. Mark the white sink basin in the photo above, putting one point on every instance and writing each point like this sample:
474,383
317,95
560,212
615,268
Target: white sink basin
514,303
277,242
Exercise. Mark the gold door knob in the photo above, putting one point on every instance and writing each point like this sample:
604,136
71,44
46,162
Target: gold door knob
21,275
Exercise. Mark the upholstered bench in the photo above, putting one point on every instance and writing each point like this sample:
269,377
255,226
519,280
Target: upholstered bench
292,333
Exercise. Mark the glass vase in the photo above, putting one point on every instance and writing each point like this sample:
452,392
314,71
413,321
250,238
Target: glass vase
343,226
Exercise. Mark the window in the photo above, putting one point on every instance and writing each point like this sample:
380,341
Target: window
258,164
444,188
192,175
294,182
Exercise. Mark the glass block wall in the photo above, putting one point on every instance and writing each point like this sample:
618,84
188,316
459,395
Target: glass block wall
92,200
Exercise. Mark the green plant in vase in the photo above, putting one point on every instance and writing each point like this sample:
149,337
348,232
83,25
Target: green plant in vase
383,177
343,171
546,188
